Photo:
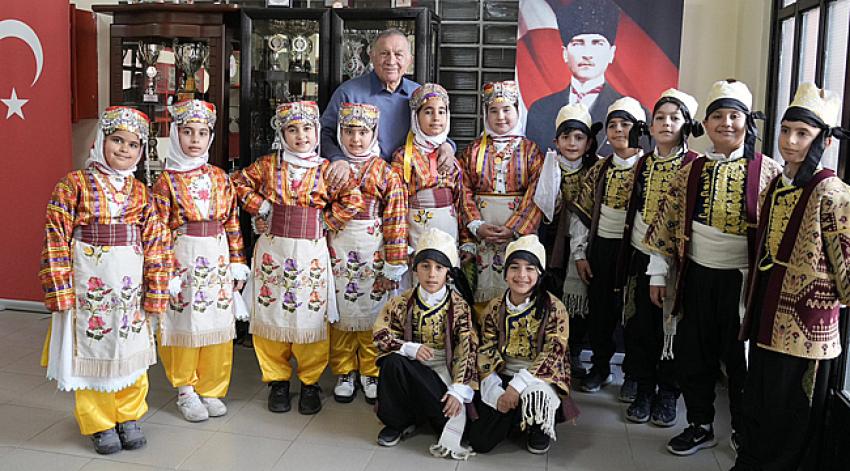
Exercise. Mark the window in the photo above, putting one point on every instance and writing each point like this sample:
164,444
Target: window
810,44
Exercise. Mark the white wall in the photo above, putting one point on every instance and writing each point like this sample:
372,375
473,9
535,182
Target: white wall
720,39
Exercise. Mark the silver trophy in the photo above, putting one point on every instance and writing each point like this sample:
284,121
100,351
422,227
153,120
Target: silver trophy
279,47
301,47
149,54
190,58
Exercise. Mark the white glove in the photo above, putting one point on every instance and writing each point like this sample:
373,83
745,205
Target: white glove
239,271
175,286
394,272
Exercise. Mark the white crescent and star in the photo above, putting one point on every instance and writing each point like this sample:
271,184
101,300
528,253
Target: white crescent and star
20,30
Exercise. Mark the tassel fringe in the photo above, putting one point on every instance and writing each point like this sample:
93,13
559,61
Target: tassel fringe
198,339
97,368
289,334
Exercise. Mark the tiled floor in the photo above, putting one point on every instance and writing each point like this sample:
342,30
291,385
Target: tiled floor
38,432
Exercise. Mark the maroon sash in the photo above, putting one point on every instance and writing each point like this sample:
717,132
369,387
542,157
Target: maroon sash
296,222
371,209
109,234
201,228
432,198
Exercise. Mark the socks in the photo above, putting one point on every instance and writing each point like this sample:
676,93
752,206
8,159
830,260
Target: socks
185,390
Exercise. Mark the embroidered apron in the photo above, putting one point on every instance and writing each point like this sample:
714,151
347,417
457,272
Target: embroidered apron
432,207
203,312
495,209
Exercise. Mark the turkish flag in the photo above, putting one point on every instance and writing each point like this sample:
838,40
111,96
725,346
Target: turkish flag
35,132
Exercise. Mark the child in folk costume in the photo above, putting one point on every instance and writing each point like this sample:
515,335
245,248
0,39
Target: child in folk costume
706,225
428,350
672,124
433,196
500,171
104,269
576,143
199,204
597,232
798,283
292,296
523,358
369,253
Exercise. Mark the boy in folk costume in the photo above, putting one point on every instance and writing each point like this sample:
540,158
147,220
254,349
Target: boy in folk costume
500,171
597,232
523,357
104,268
199,204
576,153
798,282
428,348
292,296
672,124
369,254
706,225
433,196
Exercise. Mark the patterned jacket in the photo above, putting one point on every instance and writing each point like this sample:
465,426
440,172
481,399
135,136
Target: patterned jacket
79,200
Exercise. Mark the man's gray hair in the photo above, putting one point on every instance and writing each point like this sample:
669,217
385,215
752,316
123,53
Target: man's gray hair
388,33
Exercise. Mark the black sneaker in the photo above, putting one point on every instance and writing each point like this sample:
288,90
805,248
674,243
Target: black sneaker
389,436
538,442
693,439
310,402
106,442
664,409
594,381
628,390
577,370
279,400
638,411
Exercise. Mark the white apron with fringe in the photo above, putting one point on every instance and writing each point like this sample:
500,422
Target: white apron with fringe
105,343
539,401
203,313
449,443
419,220
358,260
496,210
292,291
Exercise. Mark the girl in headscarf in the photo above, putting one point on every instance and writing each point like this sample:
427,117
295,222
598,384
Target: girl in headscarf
369,254
291,295
198,203
500,172
104,269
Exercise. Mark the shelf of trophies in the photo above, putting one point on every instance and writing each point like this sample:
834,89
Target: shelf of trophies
163,53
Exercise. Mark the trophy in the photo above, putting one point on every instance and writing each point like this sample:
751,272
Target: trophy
153,166
190,58
279,47
352,63
149,54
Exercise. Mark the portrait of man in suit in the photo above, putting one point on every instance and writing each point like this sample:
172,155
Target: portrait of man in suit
588,30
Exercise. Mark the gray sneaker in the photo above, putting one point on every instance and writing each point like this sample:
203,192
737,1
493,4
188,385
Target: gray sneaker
106,442
132,437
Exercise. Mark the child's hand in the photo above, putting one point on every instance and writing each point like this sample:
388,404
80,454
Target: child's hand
657,295
337,173
488,232
261,225
446,158
583,268
451,405
424,353
466,257
238,285
383,284
508,400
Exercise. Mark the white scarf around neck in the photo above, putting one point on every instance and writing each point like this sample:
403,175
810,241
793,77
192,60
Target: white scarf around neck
425,143
98,159
309,159
373,149
177,160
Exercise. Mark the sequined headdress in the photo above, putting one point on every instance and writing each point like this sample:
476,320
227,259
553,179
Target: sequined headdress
295,112
427,92
123,118
500,92
193,111
353,115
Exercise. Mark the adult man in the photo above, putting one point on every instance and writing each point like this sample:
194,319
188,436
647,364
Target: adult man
384,87
588,29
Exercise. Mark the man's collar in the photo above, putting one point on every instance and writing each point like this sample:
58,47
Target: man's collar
404,87
586,86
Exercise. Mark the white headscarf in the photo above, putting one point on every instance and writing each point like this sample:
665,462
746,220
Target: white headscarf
177,160
501,139
373,149
307,159
98,160
425,143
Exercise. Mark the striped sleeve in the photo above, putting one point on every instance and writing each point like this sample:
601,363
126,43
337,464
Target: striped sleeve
527,215
248,182
56,272
158,256
231,225
468,208
394,218
343,203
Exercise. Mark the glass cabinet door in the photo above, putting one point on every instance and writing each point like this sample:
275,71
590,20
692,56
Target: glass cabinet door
283,59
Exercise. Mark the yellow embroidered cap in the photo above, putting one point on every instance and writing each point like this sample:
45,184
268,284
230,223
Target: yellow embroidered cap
193,111
530,244
427,92
729,89
500,92
628,105
124,118
355,115
294,113
825,104
575,112
686,100
440,241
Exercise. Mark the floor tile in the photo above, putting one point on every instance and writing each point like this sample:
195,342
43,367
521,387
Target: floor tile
28,364
18,423
652,455
26,460
351,425
170,415
323,457
255,419
591,452
167,446
104,464
62,437
228,451
413,452
20,384
46,396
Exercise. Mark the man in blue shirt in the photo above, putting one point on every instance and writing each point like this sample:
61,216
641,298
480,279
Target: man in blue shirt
386,88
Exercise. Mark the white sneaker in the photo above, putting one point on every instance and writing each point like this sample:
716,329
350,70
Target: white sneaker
370,388
344,390
192,408
214,406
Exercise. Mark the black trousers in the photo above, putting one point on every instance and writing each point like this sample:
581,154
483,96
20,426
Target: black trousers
606,306
409,393
492,426
706,336
578,332
644,337
782,430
